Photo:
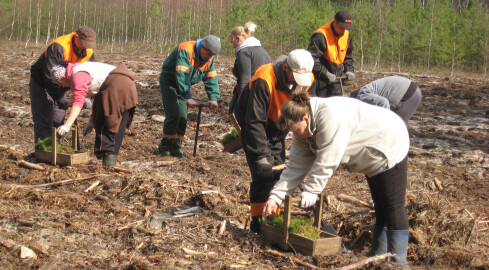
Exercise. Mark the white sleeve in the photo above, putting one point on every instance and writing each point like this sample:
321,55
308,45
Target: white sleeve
300,161
332,137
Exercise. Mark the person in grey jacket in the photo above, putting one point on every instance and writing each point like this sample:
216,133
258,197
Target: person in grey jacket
250,55
370,140
399,94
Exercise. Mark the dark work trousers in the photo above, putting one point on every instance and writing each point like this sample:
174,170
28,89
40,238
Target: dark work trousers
406,108
261,186
388,191
107,142
326,89
45,112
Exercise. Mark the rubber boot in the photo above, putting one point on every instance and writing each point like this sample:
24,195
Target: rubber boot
379,241
255,224
397,243
110,160
176,150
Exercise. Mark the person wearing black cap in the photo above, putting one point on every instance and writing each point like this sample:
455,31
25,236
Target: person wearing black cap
48,98
190,63
331,47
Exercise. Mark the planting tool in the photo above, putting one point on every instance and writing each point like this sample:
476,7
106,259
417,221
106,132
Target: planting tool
340,79
201,104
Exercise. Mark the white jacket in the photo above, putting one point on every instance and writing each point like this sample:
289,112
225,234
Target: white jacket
369,139
98,71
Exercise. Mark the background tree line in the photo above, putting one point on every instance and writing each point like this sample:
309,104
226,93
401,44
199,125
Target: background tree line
400,35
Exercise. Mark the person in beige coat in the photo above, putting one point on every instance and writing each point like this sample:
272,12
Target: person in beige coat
369,139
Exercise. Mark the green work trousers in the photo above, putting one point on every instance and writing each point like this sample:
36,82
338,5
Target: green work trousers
175,123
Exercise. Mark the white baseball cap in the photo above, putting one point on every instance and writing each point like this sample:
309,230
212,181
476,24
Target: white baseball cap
301,63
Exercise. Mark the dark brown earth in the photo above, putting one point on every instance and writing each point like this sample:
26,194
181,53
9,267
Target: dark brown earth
128,221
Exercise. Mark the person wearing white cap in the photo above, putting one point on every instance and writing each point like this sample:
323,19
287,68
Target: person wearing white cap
191,62
369,139
257,110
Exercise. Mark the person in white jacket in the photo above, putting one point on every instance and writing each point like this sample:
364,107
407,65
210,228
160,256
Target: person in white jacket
369,139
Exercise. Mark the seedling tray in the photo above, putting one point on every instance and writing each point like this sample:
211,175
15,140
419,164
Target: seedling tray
328,243
233,145
63,159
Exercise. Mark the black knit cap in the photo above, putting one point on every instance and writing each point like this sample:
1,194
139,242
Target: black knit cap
344,17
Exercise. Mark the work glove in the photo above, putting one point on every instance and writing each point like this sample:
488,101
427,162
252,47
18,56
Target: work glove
328,75
62,104
63,129
88,127
308,199
350,75
88,103
264,168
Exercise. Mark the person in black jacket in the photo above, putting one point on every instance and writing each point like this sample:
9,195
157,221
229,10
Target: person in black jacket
331,48
257,110
250,55
48,98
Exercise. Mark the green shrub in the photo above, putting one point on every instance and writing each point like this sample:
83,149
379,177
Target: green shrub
230,136
298,226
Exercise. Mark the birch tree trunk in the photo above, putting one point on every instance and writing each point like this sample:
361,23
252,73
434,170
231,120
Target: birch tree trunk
30,24
381,33
38,22
48,34
64,21
361,50
56,26
453,59
13,21
431,34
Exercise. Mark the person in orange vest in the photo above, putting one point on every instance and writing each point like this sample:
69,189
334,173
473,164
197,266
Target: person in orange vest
257,110
48,98
190,62
331,48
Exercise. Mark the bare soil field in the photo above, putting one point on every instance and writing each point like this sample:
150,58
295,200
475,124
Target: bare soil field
131,219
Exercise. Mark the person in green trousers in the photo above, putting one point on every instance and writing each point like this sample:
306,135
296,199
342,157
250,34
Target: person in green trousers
191,62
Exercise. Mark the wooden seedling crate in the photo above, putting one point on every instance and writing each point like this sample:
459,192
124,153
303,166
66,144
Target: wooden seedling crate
233,145
328,243
60,158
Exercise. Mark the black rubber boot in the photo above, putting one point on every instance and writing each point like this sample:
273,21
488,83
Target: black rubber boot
255,224
379,241
110,160
397,243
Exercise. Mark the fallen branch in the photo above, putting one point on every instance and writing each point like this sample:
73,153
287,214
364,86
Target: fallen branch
303,263
222,228
165,162
374,259
59,183
438,184
119,169
31,165
353,200
471,232
92,186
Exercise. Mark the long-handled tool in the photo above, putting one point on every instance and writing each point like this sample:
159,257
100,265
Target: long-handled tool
201,104
340,79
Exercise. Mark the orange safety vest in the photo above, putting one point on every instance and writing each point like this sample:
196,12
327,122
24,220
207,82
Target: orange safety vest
69,53
335,47
189,46
277,97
